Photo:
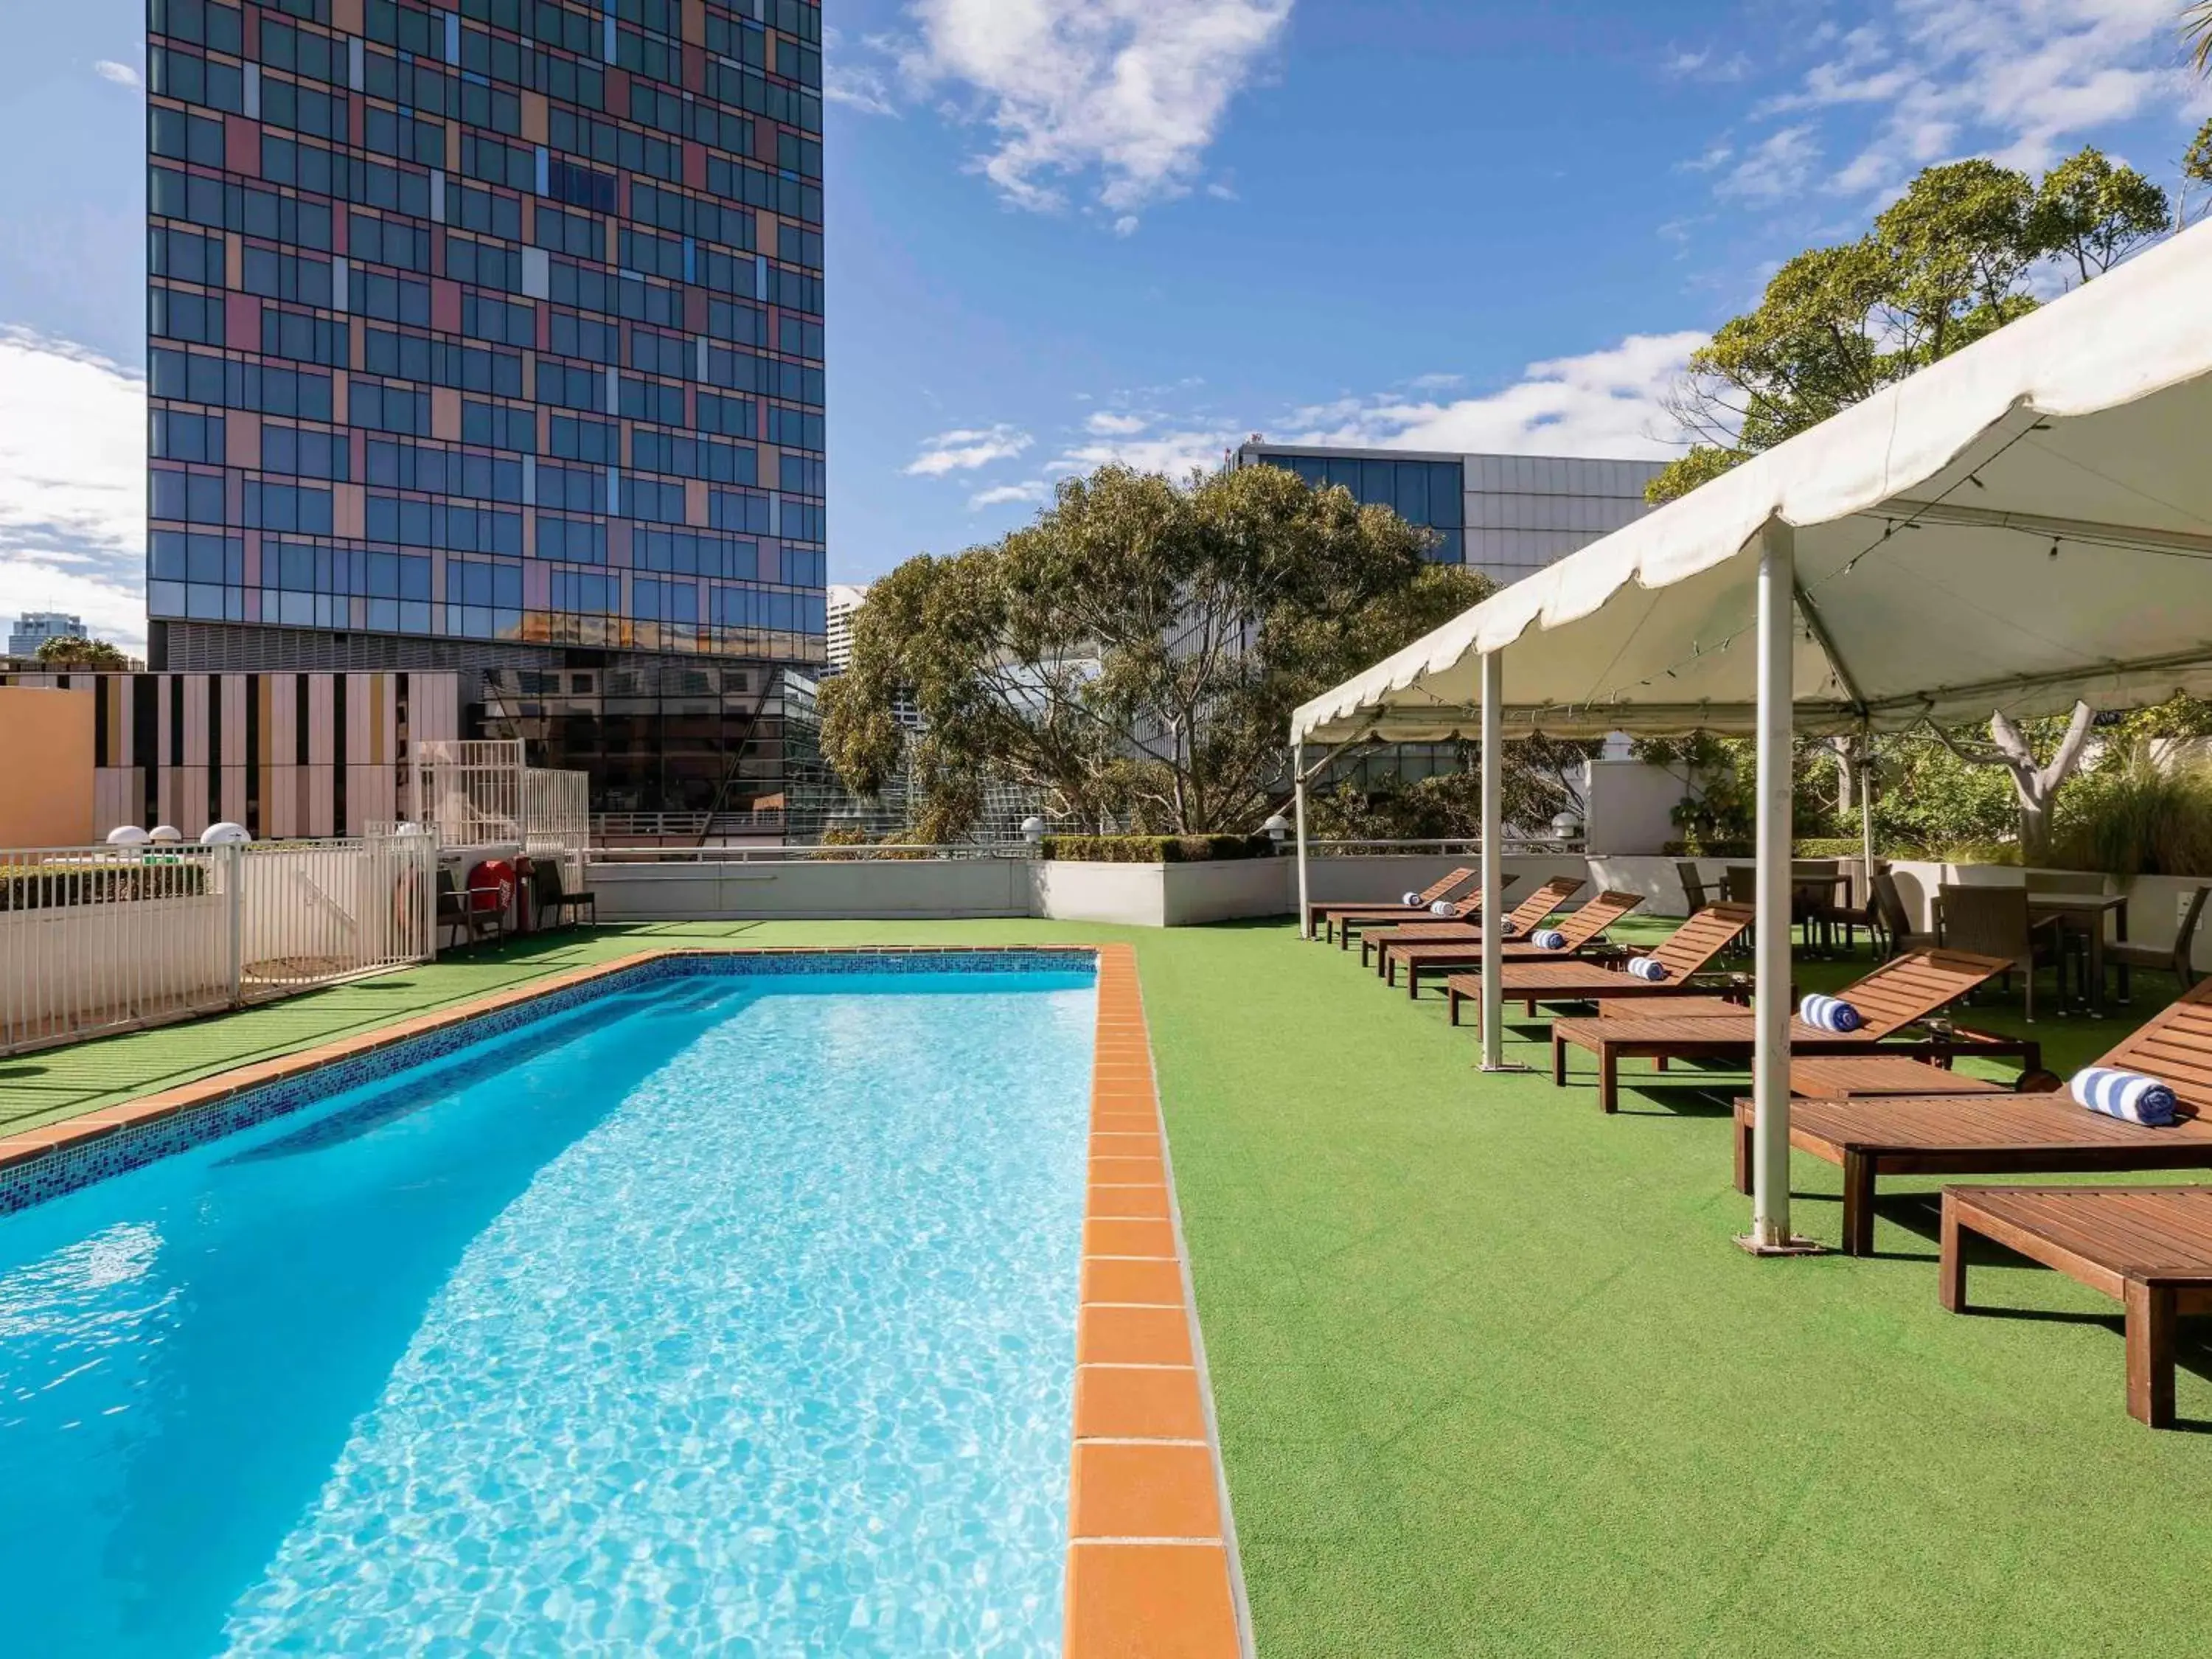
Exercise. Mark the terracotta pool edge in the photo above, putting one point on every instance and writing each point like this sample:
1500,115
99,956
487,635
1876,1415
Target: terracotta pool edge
1152,1559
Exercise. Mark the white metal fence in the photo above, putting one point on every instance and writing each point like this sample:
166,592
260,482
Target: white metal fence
477,793
102,939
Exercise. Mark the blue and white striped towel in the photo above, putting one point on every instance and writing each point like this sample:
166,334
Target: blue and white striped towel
1412,900
1549,939
1649,968
1444,907
1830,1014
2128,1096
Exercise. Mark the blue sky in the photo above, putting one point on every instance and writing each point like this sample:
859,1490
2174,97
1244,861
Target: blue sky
1062,231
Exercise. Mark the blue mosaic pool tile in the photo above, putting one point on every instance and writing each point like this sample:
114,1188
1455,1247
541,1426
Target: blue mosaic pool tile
67,1169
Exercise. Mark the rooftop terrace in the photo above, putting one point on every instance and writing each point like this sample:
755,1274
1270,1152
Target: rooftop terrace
1491,1378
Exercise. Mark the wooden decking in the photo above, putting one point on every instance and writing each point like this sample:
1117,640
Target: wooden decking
1966,1135
2149,1247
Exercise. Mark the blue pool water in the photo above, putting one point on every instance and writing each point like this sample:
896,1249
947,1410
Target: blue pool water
720,1314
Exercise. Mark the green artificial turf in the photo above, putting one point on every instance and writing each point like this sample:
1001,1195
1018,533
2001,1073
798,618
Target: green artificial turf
1490,1377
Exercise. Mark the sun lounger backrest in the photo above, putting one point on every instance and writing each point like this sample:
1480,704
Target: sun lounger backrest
1600,913
1436,890
1914,987
1702,937
1540,903
2176,1049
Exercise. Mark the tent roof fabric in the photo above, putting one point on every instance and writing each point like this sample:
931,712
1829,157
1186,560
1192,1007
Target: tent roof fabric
2021,525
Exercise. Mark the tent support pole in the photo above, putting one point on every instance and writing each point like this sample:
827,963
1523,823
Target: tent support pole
1866,811
1298,812
1770,1159
1493,882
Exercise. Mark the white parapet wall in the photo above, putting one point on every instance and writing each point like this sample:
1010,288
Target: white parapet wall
932,890
1131,894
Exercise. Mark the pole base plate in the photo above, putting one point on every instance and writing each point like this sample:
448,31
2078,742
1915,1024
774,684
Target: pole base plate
1506,1066
1794,1246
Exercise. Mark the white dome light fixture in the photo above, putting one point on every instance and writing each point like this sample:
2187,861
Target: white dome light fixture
224,835
167,833
127,834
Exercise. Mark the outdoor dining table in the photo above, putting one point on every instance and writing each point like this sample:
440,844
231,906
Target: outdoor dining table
1809,890
2087,911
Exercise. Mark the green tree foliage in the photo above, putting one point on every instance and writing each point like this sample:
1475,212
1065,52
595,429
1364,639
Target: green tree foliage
1136,652
1539,776
1947,263
2197,163
69,650
2093,214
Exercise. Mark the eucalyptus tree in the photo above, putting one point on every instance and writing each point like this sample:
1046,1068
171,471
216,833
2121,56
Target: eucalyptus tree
1136,652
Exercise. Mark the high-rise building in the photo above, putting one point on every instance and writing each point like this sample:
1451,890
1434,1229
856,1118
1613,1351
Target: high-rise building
487,335
35,627
845,598
1507,516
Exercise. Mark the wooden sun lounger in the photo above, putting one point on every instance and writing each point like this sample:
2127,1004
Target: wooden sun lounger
2046,1133
1320,918
1894,999
1685,953
1419,953
1522,920
1464,911
2150,1248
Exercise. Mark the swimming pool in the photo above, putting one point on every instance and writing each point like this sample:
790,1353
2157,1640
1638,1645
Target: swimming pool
719,1310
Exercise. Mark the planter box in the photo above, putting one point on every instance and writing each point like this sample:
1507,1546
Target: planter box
1162,895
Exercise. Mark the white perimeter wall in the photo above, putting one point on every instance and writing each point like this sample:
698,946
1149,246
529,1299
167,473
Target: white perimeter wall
1135,894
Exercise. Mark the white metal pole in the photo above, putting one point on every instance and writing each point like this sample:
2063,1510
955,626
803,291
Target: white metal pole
1770,1166
1866,812
234,879
1298,812
1494,924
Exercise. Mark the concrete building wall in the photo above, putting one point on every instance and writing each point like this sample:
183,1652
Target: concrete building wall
285,755
45,767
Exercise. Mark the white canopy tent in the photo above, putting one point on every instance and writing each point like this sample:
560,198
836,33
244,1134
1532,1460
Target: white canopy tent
2023,525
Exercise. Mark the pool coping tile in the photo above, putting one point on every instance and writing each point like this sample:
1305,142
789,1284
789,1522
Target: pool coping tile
1151,1566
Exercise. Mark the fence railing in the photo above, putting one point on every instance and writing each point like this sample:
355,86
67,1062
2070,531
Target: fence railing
1517,845
95,939
678,829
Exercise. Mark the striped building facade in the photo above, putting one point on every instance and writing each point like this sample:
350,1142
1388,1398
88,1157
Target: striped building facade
285,754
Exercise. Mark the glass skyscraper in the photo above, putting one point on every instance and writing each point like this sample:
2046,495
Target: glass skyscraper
488,335
1507,516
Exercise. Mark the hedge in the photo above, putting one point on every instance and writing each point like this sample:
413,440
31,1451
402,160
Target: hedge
1813,847
45,887
1153,849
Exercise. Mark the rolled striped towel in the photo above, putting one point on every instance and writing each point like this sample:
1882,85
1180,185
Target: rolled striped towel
1830,1014
2128,1096
1649,968
1444,907
1412,900
1549,939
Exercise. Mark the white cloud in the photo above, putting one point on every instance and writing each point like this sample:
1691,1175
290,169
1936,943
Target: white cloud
968,448
1104,424
1131,91
1604,403
1034,492
1682,64
72,485
122,74
1779,166
2026,79
858,85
